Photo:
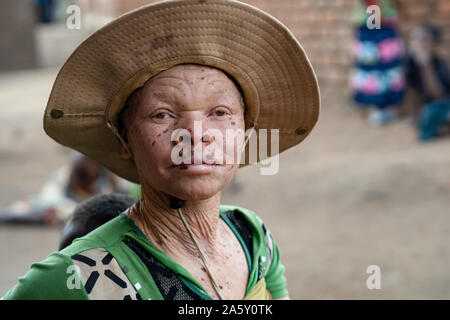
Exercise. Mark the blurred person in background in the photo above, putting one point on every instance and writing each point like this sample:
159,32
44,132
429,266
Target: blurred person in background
45,10
429,77
377,80
65,188
92,213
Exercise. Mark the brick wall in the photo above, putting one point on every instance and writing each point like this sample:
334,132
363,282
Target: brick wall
325,29
413,12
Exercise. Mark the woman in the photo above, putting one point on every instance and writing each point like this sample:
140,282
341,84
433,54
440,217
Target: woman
122,98
377,80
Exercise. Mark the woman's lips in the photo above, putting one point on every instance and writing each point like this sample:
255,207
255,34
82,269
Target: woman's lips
196,168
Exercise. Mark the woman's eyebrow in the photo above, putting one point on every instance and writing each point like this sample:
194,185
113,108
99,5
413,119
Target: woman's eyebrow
166,97
163,96
221,91
220,94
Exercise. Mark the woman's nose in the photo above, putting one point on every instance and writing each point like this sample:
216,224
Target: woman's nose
196,132
206,138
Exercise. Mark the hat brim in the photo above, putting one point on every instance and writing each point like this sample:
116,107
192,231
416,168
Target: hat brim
278,82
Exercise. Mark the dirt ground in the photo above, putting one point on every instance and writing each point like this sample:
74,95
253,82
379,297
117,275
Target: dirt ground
350,196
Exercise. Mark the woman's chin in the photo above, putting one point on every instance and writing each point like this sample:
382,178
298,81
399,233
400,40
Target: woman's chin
195,195
187,186
197,190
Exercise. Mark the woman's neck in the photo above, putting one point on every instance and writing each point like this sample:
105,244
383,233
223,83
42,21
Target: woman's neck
163,226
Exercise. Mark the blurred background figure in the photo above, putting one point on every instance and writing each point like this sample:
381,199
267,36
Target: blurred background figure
65,188
45,10
429,77
377,80
92,213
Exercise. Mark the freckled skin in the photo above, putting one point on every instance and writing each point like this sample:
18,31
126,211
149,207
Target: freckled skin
230,264
205,95
174,99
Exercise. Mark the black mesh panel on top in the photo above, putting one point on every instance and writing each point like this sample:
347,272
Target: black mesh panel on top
170,286
243,228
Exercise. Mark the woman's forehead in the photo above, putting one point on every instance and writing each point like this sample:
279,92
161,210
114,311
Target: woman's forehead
190,68
182,80
191,74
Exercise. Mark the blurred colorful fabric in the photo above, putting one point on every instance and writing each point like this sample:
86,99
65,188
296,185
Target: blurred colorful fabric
378,77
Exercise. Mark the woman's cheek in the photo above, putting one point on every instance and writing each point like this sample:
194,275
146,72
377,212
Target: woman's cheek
236,125
160,144
145,143
232,144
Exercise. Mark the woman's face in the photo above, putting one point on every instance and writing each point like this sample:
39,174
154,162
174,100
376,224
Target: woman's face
186,96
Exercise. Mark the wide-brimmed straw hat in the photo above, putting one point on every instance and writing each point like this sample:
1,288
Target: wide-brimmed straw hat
277,80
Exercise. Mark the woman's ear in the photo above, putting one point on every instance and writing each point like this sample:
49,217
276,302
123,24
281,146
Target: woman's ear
125,148
126,153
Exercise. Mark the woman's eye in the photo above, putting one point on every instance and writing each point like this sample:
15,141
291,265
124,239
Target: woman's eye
161,115
219,113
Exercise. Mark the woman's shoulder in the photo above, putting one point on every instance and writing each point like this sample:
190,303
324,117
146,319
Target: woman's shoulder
265,249
47,280
249,215
255,224
58,276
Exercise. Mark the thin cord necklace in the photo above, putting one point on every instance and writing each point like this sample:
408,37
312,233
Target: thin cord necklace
191,235
202,257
